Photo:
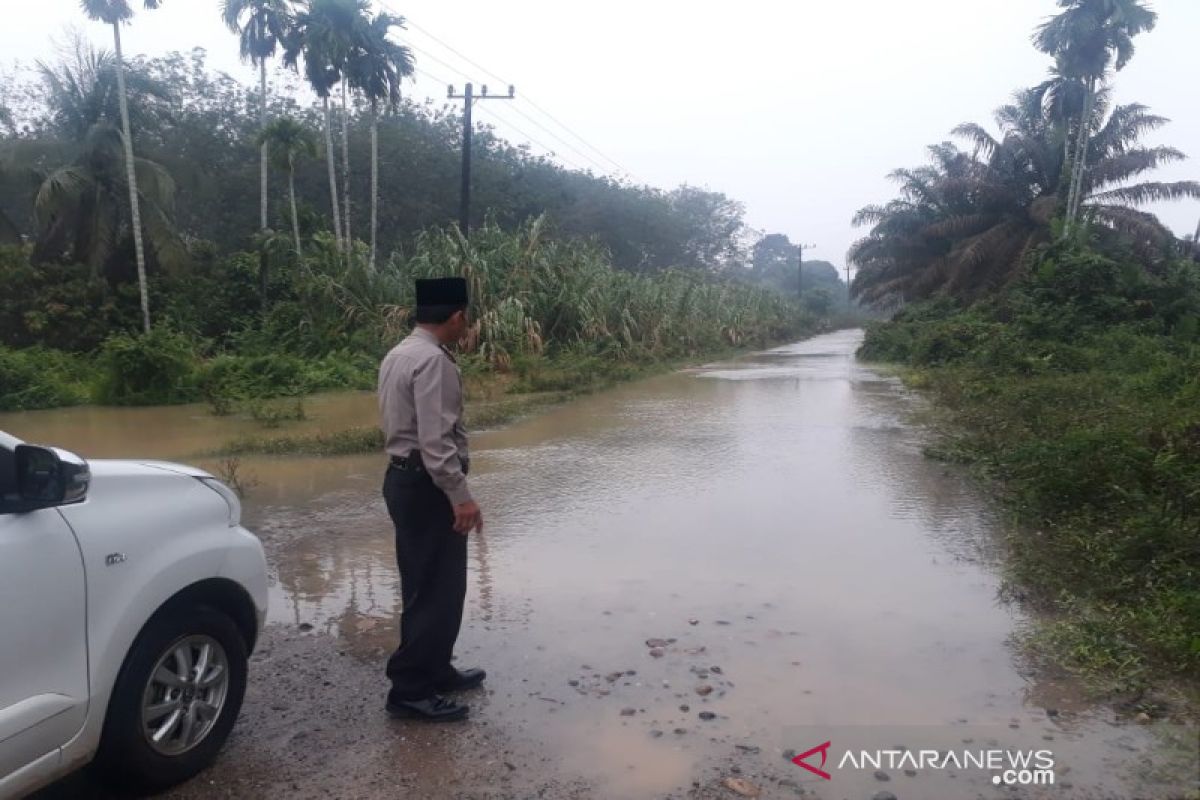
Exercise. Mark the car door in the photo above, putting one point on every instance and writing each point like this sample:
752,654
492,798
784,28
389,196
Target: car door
43,633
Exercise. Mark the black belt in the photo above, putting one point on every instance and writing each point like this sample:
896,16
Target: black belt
413,463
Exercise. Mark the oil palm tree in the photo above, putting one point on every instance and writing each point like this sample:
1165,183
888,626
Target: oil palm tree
323,34
290,141
114,13
1085,39
261,25
376,68
964,223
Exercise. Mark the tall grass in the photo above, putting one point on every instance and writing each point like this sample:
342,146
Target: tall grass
531,295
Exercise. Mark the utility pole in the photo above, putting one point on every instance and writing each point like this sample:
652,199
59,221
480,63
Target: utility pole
469,98
847,284
800,248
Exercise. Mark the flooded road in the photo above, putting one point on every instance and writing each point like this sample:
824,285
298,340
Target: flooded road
809,575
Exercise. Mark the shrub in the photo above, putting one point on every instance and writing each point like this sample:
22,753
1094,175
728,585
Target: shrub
152,369
41,378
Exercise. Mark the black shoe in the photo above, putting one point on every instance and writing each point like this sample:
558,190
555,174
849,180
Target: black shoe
467,679
434,708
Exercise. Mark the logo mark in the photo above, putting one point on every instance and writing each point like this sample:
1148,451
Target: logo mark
823,749
112,559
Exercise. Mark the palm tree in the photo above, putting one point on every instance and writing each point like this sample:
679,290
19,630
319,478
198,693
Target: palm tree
376,68
965,223
1085,39
324,34
289,141
262,25
82,218
115,12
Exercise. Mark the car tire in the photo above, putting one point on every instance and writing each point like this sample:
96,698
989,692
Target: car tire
145,751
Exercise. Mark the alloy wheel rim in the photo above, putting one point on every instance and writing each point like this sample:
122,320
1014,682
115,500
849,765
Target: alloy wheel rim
185,694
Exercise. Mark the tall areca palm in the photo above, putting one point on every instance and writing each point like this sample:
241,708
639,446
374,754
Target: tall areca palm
1085,39
114,13
376,68
965,223
261,25
324,34
290,141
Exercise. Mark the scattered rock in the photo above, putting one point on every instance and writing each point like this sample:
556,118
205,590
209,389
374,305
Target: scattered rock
741,786
657,643
747,748
572,682
1142,718
305,626
680,731
613,676
715,670
628,712
707,715
693,622
789,755
657,652
704,690
1051,712
880,775
910,772
656,734
883,796
723,622
631,672
512,767
685,708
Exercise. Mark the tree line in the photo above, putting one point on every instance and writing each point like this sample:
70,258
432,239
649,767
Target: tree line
135,167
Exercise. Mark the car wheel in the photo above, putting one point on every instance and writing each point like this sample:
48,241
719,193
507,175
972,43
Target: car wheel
175,700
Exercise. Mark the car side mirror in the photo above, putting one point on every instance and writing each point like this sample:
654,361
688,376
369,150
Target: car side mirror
49,477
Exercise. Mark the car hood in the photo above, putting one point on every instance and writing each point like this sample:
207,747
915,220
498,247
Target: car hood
116,468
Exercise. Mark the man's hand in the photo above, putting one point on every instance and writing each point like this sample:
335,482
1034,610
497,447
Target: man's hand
468,517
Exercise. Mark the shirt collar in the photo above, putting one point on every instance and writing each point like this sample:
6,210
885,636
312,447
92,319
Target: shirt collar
425,335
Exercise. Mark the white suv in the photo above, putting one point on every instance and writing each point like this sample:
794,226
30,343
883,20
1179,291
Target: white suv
130,599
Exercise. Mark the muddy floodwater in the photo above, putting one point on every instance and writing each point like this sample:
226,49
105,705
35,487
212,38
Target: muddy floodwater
771,520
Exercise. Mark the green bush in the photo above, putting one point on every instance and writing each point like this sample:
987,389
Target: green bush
1079,390
61,306
157,368
37,377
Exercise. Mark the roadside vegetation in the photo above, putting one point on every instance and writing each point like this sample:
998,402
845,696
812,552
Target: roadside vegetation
272,246
1059,327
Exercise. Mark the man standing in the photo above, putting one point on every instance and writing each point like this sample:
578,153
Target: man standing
421,407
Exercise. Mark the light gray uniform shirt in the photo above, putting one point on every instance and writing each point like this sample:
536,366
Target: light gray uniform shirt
421,408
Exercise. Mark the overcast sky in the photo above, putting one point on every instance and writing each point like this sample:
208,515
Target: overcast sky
798,109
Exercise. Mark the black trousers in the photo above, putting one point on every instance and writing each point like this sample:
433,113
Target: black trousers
433,583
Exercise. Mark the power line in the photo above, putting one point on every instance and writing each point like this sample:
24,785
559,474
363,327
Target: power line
409,21
574,149
532,140
431,76
564,126
448,66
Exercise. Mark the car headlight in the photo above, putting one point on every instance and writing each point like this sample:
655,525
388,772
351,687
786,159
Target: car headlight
229,496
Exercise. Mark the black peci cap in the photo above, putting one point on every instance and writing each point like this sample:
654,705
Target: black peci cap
441,292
